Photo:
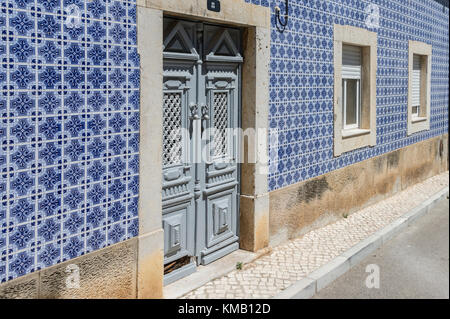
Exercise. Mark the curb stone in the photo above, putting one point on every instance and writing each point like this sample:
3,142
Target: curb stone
320,278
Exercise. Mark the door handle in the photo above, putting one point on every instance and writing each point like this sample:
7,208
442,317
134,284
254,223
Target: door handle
205,117
193,117
205,112
194,111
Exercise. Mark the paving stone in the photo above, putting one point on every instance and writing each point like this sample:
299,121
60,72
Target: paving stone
294,260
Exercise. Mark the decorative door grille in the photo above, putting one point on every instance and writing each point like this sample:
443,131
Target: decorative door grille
220,141
172,137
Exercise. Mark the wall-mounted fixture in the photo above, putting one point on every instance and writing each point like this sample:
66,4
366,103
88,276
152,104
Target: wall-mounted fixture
278,20
214,5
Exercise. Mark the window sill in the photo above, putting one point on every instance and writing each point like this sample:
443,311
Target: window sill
418,119
354,132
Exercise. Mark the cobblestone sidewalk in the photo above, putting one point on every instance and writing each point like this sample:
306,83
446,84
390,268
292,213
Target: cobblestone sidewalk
294,260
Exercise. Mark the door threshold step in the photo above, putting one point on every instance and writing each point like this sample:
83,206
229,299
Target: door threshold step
214,270
184,271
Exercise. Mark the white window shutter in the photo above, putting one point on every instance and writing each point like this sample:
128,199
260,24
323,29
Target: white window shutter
351,62
415,86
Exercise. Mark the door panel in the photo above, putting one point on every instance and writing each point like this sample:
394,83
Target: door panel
178,170
221,224
175,231
200,148
221,178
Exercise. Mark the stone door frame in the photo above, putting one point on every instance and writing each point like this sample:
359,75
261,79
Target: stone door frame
254,197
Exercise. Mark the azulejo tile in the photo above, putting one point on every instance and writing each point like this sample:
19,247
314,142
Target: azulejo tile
133,228
117,145
73,199
3,240
50,179
64,113
74,174
72,247
48,255
96,194
50,204
21,157
22,23
51,153
117,167
22,77
21,264
49,230
21,211
95,217
49,26
117,233
21,184
97,9
95,240
73,223
97,31
21,237
22,50
97,54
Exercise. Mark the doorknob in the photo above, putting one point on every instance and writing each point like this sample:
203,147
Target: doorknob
205,117
194,111
205,111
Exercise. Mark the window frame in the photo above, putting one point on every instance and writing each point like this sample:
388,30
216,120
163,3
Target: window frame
347,138
415,113
358,105
419,121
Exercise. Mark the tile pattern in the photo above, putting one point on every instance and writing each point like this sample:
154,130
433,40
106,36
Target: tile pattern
69,130
294,260
301,81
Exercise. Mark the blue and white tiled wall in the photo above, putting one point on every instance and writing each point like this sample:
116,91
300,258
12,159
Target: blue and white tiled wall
301,81
69,112
69,124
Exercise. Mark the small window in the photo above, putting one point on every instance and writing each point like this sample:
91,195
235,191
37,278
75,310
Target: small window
351,86
419,87
415,86
355,66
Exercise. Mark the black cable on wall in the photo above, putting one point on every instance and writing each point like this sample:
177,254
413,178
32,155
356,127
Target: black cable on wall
281,26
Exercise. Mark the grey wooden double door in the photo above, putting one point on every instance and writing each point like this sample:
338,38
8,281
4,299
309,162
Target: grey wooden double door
200,153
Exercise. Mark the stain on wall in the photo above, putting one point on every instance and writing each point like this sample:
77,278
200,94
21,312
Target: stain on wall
299,208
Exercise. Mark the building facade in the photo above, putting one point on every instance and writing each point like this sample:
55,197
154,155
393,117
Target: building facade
104,191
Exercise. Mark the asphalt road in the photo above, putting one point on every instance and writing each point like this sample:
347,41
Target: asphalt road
413,265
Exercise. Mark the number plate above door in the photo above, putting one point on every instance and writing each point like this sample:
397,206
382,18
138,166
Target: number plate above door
214,5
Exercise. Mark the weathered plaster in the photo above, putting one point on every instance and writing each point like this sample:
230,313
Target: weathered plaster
314,203
254,208
150,48
150,268
108,273
26,287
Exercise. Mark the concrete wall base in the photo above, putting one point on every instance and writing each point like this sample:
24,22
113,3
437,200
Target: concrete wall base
314,203
109,273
